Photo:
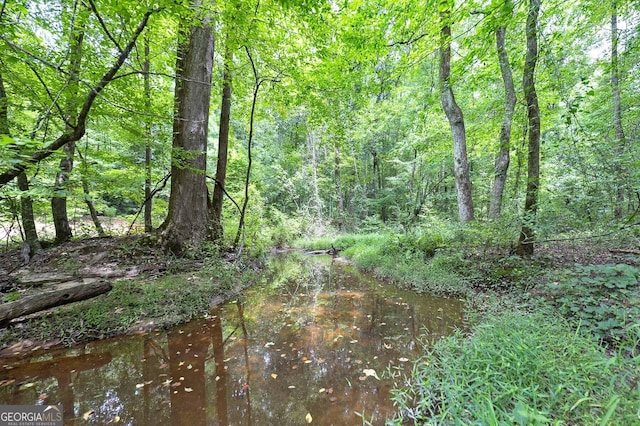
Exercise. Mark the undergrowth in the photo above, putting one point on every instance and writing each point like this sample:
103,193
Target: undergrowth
520,369
567,351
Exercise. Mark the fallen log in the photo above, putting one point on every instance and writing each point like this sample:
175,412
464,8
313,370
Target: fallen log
624,251
62,294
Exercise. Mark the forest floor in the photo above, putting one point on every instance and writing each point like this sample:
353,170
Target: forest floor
130,263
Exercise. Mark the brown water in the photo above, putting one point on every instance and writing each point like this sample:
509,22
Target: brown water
307,344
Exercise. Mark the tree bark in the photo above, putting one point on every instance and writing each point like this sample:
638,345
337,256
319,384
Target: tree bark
456,120
66,293
527,235
617,110
223,147
186,222
28,218
502,160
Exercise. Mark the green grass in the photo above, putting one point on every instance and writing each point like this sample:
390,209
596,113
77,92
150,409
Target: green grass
409,261
519,369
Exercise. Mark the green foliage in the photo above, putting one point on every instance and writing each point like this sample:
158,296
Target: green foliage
411,261
518,369
603,299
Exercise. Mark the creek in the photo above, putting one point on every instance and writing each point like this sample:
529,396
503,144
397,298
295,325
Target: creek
314,342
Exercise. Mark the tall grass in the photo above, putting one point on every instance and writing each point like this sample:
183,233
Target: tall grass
523,370
408,260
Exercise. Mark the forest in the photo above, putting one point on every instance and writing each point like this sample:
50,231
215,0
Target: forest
488,150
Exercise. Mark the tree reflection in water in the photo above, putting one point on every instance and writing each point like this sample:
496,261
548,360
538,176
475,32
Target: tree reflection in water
297,344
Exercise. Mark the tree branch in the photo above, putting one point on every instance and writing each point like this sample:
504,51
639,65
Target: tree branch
79,130
94,9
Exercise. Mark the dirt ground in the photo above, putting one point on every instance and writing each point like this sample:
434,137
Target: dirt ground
106,258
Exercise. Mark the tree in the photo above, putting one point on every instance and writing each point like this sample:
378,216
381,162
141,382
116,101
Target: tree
455,117
223,146
617,110
502,160
527,233
59,200
187,219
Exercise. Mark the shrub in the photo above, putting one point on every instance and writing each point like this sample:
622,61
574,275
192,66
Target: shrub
603,299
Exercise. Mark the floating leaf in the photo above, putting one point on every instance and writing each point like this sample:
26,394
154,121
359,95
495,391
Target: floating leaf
308,418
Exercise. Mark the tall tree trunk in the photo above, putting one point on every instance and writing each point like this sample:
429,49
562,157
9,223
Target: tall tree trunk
456,119
59,200
502,160
617,111
223,147
313,150
148,206
338,180
186,222
527,234
256,88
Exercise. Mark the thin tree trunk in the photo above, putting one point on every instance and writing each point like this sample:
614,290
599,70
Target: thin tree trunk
313,151
223,147
502,160
28,218
256,88
617,111
148,206
527,234
186,222
338,181
91,207
456,120
59,200
87,193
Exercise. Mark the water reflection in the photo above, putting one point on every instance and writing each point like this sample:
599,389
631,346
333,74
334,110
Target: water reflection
310,340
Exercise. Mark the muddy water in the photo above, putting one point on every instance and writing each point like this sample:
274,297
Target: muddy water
314,342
